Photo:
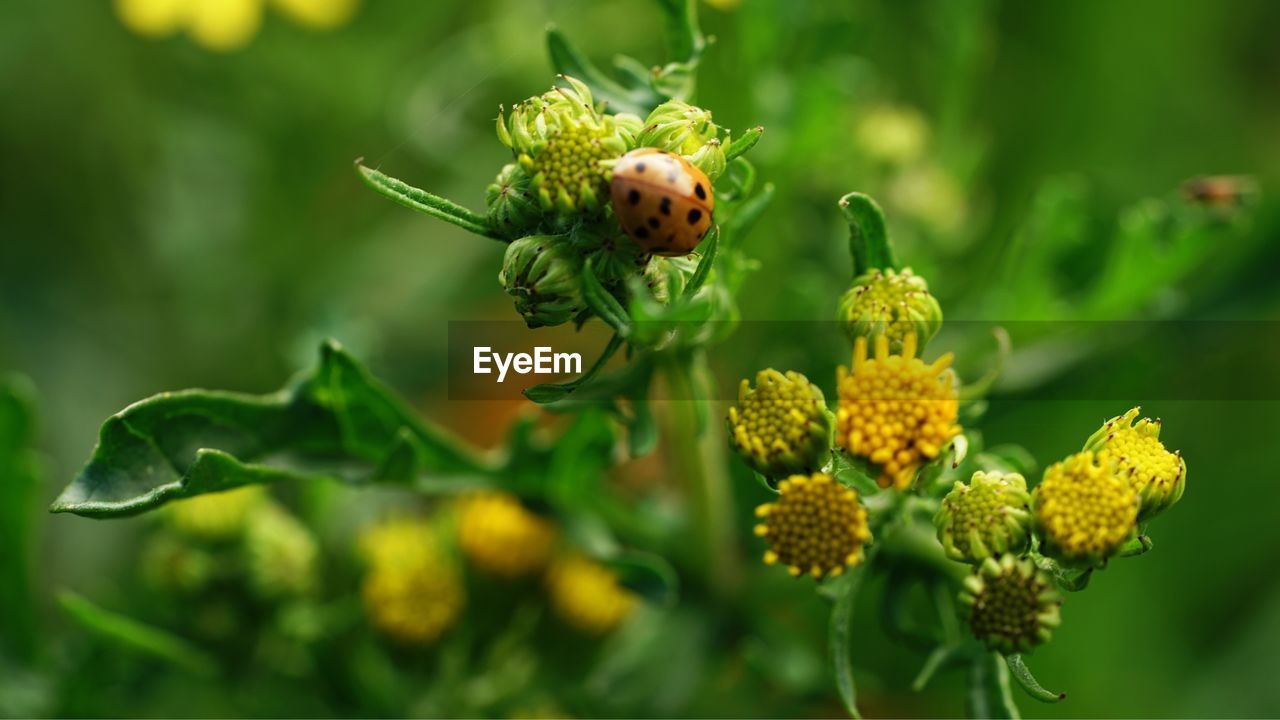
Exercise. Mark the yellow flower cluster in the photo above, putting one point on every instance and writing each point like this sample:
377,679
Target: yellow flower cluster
1012,606
780,427
895,410
1085,510
215,516
816,526
587,595
501,537
411,591
225,25
987,517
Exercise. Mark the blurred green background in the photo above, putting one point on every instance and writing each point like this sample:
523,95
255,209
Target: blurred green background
172,216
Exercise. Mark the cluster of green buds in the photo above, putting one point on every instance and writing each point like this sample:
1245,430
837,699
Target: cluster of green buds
890,303
552,202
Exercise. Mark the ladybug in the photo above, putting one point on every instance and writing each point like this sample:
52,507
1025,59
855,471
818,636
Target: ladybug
663,202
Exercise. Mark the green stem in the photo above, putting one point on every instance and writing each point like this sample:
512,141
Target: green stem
425,202
696,457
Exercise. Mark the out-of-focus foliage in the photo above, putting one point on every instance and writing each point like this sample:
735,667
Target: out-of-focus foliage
174,217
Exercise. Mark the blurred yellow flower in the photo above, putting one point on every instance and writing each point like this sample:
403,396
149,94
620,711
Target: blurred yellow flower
894,135
587,595
412,591
225,25
500,536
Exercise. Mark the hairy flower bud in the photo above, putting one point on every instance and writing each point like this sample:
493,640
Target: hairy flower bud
890,303
564,141
678,127
816,526
543,274
513,209
586,594
895,410
1013,606
1084,509
781,426
1158,476
988,517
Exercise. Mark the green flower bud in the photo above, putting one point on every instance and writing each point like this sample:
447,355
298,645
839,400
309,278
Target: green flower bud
513,209
681,128
1158,476
667,277
890,303
280,552
563,141
782,426
988,517
543,274
1013,606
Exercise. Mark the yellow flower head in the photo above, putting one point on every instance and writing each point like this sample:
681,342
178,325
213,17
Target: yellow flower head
782,426
816,526
987,517
500,536
1085,510
1012,606
895,410
894,135
587,595
411,591
1157,475
319,14
215,516
892,303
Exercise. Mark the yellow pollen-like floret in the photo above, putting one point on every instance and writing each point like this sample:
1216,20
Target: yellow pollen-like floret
1084,508
816,527
896,410
500,536
890,302
587,595
1142,457
570,160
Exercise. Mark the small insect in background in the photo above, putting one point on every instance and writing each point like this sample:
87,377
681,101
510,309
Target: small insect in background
1221,192
662,201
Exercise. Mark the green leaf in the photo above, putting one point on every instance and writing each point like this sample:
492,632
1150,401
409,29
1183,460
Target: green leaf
684,38
989,693
853,472
568,60
977,390
868,237
705,265
335,422
137,636
840,637
425,202
745,142
648,575
603,303
744,216
551,392
1021,673
19,484
936,660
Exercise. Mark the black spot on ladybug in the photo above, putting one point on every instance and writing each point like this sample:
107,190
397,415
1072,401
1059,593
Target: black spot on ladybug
642,232
700,191
654,223
665,206
694,216
633,197
639,167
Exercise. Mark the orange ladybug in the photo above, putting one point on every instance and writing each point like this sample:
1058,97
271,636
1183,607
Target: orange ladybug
663,202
